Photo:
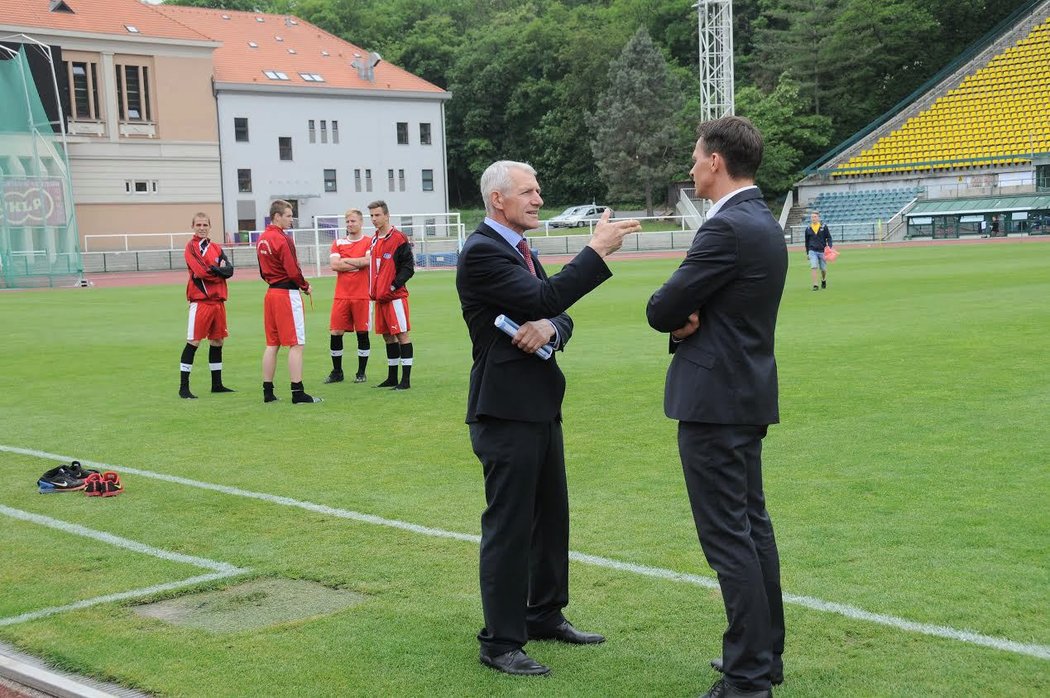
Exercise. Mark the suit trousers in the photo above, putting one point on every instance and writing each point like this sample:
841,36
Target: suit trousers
723,475
524,562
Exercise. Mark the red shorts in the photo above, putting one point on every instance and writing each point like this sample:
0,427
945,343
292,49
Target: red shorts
283,318
207,320
349,316
392,317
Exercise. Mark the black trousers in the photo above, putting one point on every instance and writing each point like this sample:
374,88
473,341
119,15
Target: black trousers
723,475
524,530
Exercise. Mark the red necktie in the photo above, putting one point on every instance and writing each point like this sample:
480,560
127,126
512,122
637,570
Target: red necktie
523,247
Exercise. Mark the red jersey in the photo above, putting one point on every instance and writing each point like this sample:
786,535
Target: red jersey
278,265
393,264
351,285
204,284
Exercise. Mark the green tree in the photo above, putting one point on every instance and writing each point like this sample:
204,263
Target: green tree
635,125
237,5
788,131
793,35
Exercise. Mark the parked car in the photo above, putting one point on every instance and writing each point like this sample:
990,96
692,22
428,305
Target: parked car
577,216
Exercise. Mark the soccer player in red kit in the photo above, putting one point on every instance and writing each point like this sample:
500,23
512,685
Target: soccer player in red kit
350,309
283,317
206,291
392,265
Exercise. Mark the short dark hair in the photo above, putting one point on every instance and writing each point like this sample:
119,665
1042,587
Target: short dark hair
279,206
738,142
379,204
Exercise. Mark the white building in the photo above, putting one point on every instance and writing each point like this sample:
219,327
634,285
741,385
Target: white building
307,117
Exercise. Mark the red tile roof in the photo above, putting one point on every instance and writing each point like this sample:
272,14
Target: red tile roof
288,45
97,17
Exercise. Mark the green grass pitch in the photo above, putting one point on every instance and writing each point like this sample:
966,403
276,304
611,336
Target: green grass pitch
909,477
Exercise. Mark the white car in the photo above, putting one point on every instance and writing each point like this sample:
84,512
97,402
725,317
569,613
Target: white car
577,216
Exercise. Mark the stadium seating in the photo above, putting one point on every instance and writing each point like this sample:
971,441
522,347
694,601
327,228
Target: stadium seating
997,116
862,206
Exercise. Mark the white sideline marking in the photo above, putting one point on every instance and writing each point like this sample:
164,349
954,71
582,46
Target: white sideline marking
221,570
117,541
851,612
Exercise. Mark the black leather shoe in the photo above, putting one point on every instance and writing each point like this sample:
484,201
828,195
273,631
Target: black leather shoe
776,677
515,662
566,633
721,689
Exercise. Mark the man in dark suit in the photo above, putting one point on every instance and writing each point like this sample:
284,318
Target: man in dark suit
720,307
514,414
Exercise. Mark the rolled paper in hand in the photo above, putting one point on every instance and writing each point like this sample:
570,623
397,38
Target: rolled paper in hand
510,328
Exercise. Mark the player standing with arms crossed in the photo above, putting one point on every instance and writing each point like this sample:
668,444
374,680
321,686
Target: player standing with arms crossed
206,291
351,307
393,264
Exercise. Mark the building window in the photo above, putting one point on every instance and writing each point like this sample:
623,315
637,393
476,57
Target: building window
313,130
335,131
275,75
368,180
240,129
140,186
324,131
424,134
244,181
402,133
357,180
245,224
329,179
133,93
284,147
401,180
390,180
83,77
428,180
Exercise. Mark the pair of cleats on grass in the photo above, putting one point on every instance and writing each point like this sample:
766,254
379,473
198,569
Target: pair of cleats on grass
76,478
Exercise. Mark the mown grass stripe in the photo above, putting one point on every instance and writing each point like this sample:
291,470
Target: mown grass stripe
846,610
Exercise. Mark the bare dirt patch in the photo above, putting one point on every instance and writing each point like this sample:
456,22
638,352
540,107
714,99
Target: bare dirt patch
256,604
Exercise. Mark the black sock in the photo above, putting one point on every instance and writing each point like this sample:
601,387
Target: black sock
268,395
363,350
185,366
215,364
406,364
336,345
393,359
299,394
186,362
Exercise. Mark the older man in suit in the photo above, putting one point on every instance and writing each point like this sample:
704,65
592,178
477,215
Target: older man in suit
514,414
720,307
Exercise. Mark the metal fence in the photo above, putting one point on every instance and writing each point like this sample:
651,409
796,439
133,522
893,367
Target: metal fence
313,250
843,232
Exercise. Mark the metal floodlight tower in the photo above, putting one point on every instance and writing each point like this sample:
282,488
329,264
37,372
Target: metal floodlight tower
715,29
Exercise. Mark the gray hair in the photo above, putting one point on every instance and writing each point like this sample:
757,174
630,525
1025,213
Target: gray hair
496,177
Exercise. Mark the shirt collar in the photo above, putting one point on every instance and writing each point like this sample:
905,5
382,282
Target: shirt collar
714,210
511,236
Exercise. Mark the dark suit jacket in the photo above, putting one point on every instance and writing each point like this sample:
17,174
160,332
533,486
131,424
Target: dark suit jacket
734,275
491,278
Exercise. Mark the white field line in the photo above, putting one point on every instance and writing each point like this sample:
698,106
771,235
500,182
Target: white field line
846,610
220,570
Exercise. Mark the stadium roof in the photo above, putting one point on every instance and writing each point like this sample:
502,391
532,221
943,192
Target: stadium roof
124,18
283,50
951,207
